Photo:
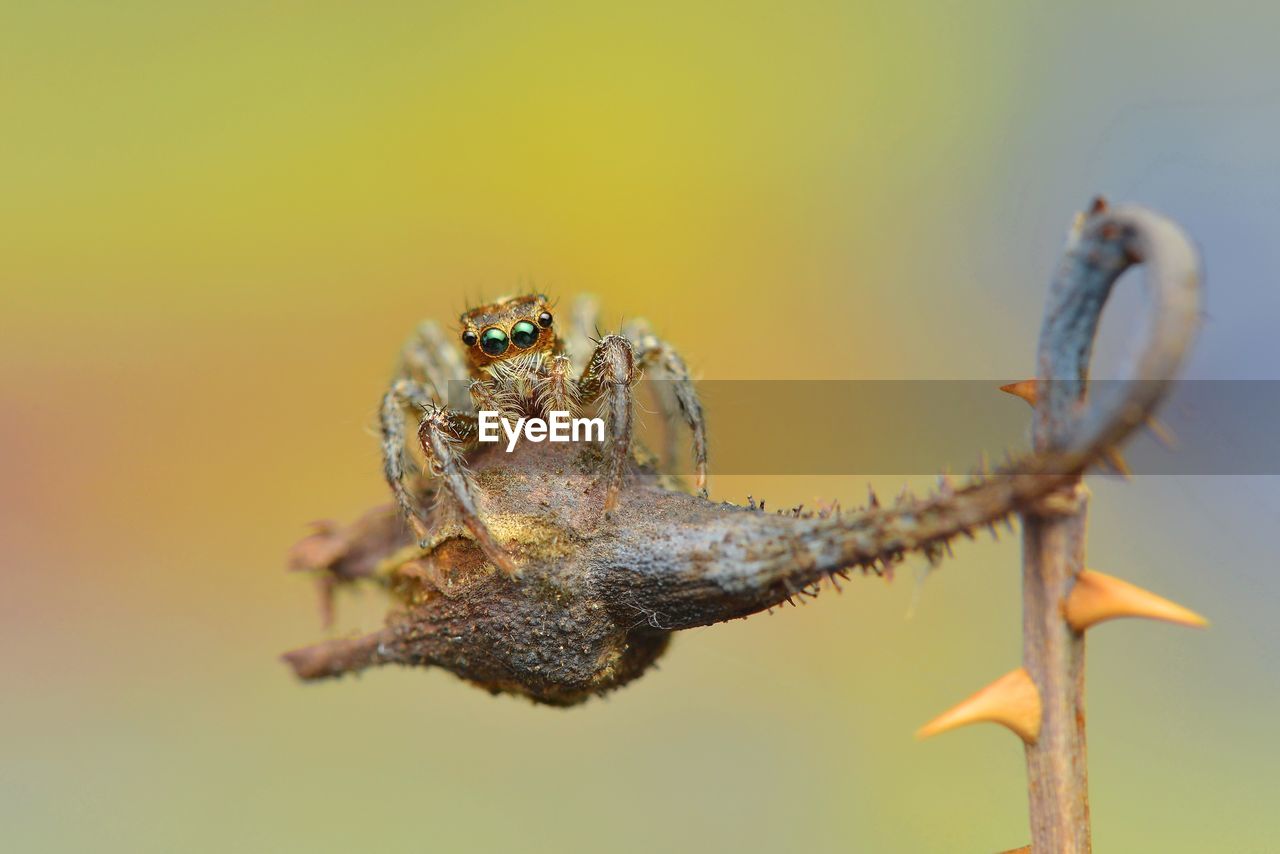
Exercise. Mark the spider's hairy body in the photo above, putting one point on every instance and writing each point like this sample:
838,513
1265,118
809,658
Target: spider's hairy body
516,365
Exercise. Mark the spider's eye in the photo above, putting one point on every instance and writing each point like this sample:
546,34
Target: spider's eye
493,341
524,334
469,338
544,319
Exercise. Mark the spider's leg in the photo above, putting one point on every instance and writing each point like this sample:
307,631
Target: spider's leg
445,435
607,380
429,357
428,364
404,393
666,365
581,331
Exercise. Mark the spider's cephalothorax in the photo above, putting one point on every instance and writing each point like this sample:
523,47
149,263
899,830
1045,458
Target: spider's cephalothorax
518,364
510,331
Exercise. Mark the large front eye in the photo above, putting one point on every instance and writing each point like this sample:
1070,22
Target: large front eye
493,341
524,335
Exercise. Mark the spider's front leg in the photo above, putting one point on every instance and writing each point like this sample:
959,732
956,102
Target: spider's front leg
446,435
429,357
664,363
428,363
404,394
607,380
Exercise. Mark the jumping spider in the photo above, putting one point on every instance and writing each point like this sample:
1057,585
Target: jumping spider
519,365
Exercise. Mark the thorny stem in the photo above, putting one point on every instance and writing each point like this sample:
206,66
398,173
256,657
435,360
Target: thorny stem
1099,251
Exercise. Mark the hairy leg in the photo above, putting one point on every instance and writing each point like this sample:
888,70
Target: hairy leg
665,364
445,435
607,381
404,394
428,365
430,357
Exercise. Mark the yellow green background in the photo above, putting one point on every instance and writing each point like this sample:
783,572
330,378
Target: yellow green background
218,221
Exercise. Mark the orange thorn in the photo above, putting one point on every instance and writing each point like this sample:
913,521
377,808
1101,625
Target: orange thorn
1116,460
1012,701
1097,597
1025,389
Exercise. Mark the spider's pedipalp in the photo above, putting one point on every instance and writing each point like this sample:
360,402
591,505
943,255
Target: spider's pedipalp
488,396
558,390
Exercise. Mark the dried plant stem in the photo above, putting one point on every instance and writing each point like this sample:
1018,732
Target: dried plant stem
1053,655
1102,246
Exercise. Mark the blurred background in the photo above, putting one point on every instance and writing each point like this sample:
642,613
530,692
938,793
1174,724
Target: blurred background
219,220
